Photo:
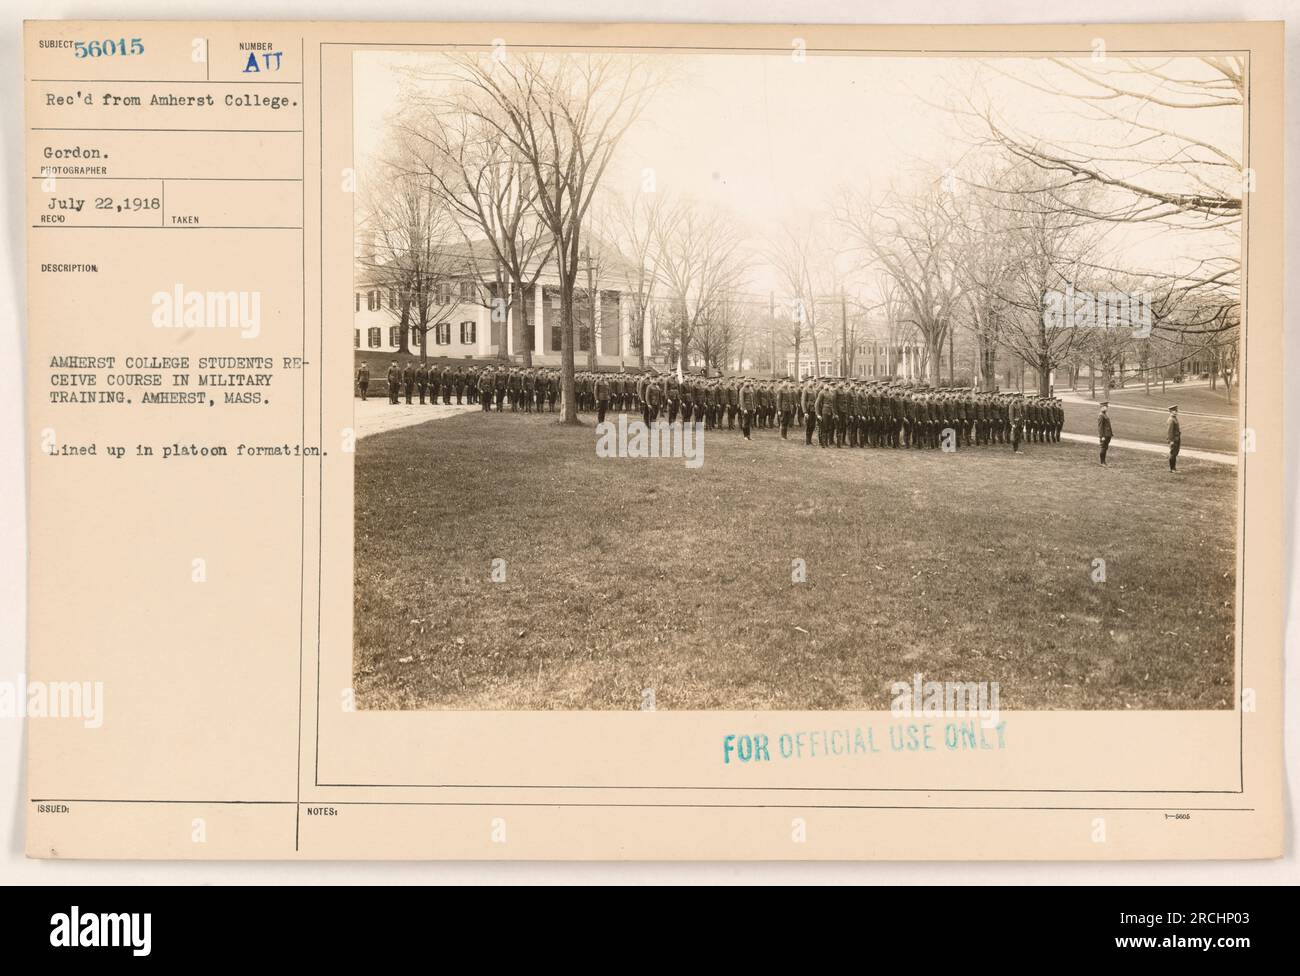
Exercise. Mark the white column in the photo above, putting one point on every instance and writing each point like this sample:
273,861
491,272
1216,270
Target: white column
645,334
624,328
483,332
511,318
538,318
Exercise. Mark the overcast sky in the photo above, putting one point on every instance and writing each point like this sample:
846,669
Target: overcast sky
773,139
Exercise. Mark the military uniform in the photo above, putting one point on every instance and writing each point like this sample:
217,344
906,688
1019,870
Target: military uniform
1104,432
808,404
825,416
785,406
363,379
602,393
1174,433
422,381
654,399
747,402
394,381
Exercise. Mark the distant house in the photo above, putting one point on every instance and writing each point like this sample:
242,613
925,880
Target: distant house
468,319
874,356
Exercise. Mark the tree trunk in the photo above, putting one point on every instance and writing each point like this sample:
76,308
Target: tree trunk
591,331
404,327
568,391
523,334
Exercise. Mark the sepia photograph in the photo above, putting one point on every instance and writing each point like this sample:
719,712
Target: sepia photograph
792,380
760,450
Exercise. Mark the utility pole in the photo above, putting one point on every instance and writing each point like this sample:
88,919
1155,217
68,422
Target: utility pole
771,327
952,363
844,335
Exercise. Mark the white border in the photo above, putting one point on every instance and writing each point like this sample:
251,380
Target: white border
16,868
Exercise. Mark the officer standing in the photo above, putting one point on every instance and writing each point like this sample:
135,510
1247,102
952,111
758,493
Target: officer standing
1103,430
1174,434
422,381
602,397
808,406
785,403
748,403
408,380
394,379
1016,414
363,379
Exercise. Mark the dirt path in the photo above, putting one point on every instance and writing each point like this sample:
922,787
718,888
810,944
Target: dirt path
376,415
1215,457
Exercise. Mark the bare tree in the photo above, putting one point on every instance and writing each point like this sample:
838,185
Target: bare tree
637,229
987,234
700,261
899,330
490,188
914,240
564,116
407,250
805,267
1151,144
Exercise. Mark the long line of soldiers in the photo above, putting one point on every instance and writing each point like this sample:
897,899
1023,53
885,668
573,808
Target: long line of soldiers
523,388
841,412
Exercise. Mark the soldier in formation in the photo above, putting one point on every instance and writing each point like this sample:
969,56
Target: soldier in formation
853,413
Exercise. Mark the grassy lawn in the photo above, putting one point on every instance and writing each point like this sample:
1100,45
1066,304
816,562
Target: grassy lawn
1190,399
1146,425
623,575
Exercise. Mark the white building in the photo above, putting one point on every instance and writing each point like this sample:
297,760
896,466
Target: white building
466,321
872,359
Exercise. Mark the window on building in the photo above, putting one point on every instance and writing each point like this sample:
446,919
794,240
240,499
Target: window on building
356,301
444,333
372,337
356,338
372,300
415,337
466,290
395,336
442,293
467,333
392,298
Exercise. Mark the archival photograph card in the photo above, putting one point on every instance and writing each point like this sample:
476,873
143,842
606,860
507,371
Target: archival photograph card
544,441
